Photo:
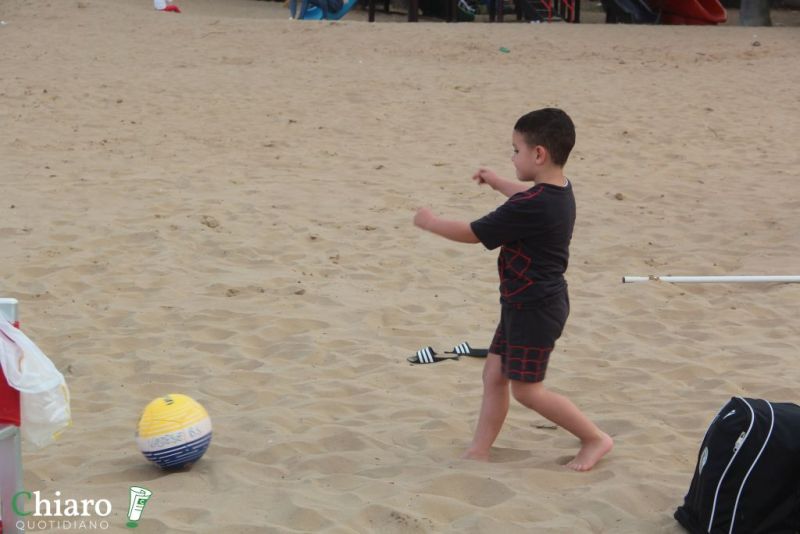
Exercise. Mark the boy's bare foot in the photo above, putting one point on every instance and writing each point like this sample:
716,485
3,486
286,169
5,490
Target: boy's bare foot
475,455
591,452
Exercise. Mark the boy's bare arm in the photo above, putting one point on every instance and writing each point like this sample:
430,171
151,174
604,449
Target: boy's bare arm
454,230
506,187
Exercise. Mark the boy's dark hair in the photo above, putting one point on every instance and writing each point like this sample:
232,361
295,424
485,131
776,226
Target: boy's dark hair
550,128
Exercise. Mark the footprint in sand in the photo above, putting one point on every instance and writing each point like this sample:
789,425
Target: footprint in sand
477,491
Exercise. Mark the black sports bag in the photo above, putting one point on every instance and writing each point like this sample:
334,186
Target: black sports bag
747,479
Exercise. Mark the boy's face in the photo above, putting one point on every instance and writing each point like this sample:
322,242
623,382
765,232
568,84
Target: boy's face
527,160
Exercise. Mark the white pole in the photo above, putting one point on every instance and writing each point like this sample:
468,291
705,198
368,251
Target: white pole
704,279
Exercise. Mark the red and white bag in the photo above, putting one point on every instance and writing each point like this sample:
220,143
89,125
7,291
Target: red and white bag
44,396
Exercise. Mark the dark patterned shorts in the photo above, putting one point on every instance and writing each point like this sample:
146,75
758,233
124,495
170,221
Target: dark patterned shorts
526,336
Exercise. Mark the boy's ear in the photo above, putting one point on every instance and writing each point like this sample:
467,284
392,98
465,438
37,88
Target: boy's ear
540,153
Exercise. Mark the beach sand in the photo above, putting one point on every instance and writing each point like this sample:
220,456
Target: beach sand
219,203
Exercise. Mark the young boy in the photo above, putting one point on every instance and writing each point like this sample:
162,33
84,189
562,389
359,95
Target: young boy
533,229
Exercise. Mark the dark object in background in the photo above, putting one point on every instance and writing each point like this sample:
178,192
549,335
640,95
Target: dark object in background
628,12
465,10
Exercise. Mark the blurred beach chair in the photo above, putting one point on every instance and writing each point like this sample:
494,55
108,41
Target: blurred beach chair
10,445
450,10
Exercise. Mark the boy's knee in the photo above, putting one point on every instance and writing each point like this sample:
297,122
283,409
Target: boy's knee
493,376
495,380
526,392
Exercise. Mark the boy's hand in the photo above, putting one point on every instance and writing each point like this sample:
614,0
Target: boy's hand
485,176
424,218
453,230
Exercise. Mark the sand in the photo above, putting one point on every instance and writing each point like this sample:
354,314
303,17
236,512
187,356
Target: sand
219,203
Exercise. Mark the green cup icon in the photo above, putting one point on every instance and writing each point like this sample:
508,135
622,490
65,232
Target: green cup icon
139,497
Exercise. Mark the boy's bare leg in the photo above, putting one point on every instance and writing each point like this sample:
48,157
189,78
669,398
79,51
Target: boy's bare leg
594,443
494,407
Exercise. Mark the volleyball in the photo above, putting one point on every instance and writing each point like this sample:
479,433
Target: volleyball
174,431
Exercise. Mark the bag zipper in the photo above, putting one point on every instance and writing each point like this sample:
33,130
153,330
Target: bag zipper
739,441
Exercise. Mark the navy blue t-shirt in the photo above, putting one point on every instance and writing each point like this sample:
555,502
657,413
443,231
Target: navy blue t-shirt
533,230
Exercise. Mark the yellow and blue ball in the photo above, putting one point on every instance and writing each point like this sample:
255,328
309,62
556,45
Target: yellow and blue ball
174,431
